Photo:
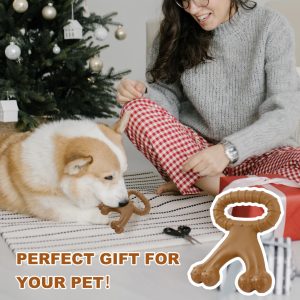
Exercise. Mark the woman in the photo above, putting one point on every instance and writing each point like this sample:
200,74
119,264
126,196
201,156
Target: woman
223,95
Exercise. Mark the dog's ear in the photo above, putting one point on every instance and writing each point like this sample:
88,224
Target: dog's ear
78,166
121,124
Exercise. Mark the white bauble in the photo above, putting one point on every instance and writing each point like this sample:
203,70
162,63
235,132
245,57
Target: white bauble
20,6
49,12
100,33
23,31
96,64
12,51
56,49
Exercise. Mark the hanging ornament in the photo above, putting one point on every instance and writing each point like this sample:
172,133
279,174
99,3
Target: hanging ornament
96,64
51,33
12,51
20,6
56,49
73,30
100,33
23,31
49,12
120,33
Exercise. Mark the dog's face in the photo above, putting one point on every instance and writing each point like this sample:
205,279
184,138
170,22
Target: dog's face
93,168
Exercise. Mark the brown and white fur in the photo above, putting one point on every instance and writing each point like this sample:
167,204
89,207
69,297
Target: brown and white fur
63,170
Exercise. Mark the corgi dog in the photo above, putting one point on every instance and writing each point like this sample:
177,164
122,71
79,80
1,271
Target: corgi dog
63,170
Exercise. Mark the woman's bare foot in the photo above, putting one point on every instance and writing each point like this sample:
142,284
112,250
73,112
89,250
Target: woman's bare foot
210,184
171,188
168,187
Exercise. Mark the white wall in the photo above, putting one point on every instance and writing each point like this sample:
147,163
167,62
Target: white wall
131,52
290,9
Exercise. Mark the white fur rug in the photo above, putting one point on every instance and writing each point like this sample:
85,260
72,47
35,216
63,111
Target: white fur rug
24,233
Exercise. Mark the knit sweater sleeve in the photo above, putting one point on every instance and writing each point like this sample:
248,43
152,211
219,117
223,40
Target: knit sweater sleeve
166,95
278,115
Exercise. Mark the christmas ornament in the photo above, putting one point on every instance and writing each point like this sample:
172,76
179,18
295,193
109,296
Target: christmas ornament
120,33
49,12
12,51
56,49
100,33
96,64
23,31
8,108
73,30
20,6
51,33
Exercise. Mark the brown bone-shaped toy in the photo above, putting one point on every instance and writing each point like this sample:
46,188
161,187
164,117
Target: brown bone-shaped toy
126,211
242,241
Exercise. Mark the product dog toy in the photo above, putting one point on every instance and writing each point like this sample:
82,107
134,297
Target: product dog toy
241,241
126,211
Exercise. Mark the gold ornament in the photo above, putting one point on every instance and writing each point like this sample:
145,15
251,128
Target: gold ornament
20,6
120,33
96,64
49,12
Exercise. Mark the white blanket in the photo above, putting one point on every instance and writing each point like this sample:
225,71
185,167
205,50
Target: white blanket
25,233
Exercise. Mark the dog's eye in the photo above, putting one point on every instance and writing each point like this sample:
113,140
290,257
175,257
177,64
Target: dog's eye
109,177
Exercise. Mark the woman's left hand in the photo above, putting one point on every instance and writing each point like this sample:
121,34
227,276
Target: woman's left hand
208,162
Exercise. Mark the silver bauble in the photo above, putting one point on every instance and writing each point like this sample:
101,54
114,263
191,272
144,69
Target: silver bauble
23,31
56,49
100,33
12,51
49,12
120,33
20,6
96,64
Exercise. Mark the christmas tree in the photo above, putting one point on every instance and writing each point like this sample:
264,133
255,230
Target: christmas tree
50,62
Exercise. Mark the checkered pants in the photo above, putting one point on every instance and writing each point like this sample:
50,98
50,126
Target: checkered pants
167,144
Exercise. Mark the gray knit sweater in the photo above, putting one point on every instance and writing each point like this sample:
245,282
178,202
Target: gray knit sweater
250,94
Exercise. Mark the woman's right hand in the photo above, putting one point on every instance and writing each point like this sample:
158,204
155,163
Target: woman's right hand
128,90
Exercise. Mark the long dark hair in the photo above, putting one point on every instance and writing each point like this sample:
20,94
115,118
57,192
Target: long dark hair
183,44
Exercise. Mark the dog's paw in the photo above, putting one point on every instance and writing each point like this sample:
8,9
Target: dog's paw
98,218
93,216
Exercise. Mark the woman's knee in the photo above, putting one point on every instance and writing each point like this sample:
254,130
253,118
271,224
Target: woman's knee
138,105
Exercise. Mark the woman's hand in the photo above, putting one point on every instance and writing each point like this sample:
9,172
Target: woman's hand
128,90
209,162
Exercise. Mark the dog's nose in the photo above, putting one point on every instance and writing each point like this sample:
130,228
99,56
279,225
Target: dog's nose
123,203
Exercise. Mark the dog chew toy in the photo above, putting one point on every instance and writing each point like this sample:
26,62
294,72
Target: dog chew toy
126,211
240,242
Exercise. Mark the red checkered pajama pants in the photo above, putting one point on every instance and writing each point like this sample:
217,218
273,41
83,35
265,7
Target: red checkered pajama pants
167,144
